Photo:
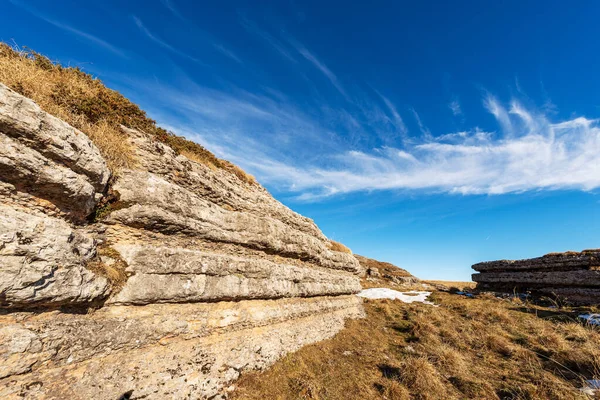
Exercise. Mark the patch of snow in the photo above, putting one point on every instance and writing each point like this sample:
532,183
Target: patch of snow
592,319
406,297
591,387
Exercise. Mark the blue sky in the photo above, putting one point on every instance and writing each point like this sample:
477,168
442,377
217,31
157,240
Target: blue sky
431,135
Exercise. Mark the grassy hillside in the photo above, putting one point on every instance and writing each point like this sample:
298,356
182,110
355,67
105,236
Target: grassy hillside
482,348
84,102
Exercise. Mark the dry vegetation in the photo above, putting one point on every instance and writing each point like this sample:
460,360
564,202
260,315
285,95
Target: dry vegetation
384,274
85,103
382,267
573,253
110,265
483,348
336,246
453,284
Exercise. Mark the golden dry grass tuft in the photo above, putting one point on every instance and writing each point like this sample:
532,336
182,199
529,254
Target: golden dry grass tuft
85,103
336,246
483,348
110,265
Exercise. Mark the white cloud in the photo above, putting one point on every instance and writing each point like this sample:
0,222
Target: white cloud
424,130
397,120
556,155
455,107
297,152
498,111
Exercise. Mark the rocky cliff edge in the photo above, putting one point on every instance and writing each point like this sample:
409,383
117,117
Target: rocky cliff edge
165,280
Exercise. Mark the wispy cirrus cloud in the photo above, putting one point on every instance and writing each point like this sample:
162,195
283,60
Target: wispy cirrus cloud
316,151
170,5
275,43
226,52
204,36
538,154
424,130
290,48
492,105
162,43
397,119
70,29
323,68
454,106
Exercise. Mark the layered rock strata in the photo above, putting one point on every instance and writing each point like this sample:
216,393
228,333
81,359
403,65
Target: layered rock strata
571,275
167,283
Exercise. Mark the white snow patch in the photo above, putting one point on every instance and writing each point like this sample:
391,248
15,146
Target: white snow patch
592,319
406,297
591,387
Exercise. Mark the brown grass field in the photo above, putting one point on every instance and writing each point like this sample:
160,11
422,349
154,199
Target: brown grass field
482,348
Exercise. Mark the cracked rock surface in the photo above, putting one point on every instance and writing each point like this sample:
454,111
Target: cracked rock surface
187,277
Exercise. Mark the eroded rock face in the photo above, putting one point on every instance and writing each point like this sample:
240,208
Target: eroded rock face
161,351
43,262
190,277
161,206
171,274
571,275
45,156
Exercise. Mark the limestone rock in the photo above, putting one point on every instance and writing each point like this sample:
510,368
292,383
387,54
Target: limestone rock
43,262
536,277
210,276
552,261
217,186
170,274
25,121
44,156
384,272
165,351
571,275
165,207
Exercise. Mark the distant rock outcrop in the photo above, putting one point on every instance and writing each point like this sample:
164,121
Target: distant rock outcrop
381,272
573,276
168,279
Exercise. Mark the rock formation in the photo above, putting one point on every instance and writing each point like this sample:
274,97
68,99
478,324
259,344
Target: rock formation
380,272
571,275
166,280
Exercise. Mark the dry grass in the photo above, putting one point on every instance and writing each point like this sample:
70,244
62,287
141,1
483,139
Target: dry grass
110,265
85,103
453,284
336,246
483,348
